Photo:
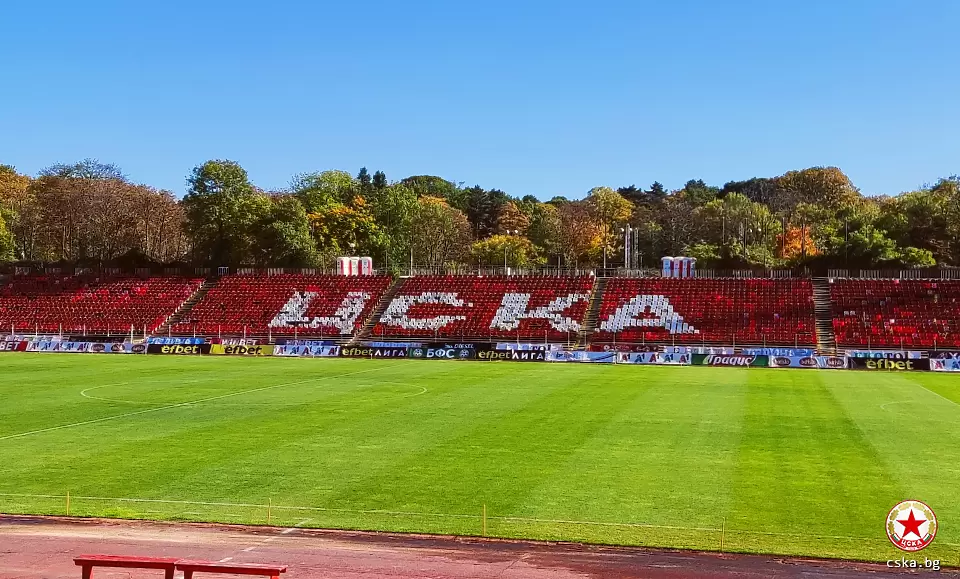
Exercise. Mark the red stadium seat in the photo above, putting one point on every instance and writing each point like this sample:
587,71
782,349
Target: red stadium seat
285,305
91,304
472,307
896,313
707,311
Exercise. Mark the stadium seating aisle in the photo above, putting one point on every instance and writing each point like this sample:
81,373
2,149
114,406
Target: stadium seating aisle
91,304
471,307
894,313
284,305
712,311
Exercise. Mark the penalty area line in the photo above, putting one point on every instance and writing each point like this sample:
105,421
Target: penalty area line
182,404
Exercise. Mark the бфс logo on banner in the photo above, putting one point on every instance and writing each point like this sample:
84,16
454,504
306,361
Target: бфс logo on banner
911,525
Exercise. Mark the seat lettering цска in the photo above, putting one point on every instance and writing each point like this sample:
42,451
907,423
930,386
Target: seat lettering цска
396,312
663,315
514,307
344,319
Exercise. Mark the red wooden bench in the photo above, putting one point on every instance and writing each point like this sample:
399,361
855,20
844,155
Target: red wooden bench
88,562
191,567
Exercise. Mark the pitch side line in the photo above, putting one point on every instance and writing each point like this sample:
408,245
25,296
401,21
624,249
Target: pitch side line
937,394
181,404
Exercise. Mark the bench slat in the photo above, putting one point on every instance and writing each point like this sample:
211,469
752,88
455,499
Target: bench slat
234,568
126,562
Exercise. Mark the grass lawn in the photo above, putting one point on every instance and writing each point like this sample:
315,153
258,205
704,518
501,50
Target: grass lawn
801,462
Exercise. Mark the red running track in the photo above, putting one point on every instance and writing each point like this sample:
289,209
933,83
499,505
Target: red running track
44,547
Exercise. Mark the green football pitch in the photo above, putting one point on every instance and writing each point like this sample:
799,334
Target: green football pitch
802,462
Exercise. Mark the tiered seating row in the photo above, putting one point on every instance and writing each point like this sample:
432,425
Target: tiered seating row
91,304
284,305
537,308
688,311
896,313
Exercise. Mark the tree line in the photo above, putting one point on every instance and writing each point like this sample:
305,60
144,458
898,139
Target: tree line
90,213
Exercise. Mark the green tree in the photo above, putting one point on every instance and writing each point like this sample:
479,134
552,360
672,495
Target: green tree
707,254
914,257
516,250
511,218
433,186
6,241
346,229
544,230
440,234
364,182
283,238
19,209
223,210
739,228
870,245
610,210
319,190
827,187
379,180
393,208
699,193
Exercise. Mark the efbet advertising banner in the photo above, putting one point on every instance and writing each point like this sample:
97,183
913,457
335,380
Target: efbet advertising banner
179,349
448,353
732,361
372,352
889,365
580,356
512,355
307,351
654,358
228,350
822,362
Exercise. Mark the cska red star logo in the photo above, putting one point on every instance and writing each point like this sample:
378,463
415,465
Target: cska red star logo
911,525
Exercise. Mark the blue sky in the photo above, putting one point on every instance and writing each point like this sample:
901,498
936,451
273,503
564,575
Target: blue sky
542,98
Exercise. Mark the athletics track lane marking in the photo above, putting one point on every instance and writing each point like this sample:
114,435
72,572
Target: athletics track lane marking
181,404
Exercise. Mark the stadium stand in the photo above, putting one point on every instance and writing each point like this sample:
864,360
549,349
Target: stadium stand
896,313
707,311
471,307
285,305
89,304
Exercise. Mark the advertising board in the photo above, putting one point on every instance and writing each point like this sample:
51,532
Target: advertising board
822,362
306,351
443,353
240,350
512,355
725,360
179,349
372,352
581,356
889,365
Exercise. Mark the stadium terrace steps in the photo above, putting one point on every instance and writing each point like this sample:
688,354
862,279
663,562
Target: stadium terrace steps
826,341
381,306
593,313
185,308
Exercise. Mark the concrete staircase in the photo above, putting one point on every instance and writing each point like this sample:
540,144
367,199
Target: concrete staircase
367,329
826,341
184,308
593,312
